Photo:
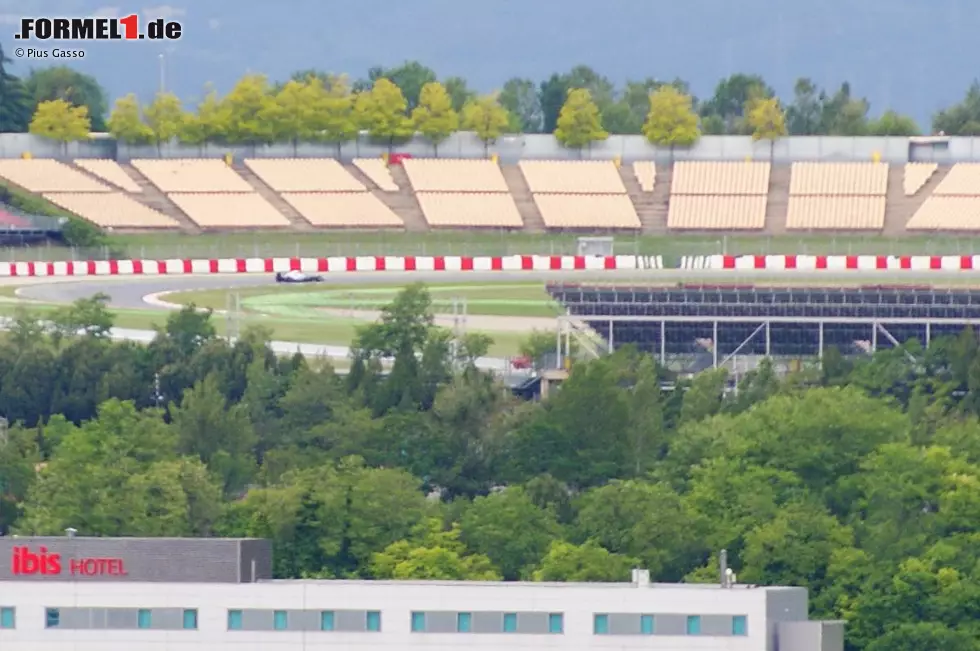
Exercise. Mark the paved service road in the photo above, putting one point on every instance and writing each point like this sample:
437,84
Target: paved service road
128,291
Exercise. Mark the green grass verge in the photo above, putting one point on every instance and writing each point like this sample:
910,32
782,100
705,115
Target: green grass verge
512,299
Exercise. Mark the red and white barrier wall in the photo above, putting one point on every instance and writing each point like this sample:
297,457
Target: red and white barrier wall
834,262
449,263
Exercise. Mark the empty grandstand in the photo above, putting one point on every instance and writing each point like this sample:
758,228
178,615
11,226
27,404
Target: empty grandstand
698,326
955,203
727,196
837,196
581,195
462,193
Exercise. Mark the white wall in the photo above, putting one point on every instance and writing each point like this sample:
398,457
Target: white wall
396,601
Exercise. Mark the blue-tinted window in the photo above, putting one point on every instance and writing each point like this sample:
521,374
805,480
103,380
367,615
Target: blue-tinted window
234,620
556,623
8,618
646,624
739,625
463,622
418,622
52,618
374,621
280,620
144,618
190,619
694,625
326,620
600,624
510,622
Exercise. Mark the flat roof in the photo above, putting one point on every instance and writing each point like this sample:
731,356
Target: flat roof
535,584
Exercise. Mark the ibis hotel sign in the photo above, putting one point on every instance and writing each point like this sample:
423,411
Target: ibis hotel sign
173,560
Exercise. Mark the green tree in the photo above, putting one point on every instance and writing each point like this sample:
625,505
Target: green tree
410,78
803,115
210,124
724,113
579,123
15,102
126,122
165,116
247,105
893,124
671,121
432,554
486,118
434,117
459,91
381,112
588,562
520,98
334,119
766,120
78,89
292,114
60,121
961,119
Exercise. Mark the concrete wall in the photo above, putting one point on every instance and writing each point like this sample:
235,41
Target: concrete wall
87,606
534,146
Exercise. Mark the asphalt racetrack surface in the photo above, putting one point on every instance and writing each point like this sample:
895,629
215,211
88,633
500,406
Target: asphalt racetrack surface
127,292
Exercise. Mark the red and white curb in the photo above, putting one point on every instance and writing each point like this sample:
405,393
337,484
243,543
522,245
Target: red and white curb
449,263
833,262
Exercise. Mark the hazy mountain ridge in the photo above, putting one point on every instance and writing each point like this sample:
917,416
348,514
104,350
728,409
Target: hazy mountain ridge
902,54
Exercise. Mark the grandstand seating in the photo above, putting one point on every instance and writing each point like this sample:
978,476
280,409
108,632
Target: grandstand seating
46,175
228,210
109,170
304,175
646,174
587,211
343,209
377,170
572,177
718,196
469,210
955,203
837,196
191,175
917,175
110,210
448,175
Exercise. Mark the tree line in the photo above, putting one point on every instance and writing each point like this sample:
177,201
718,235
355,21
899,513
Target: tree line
394,103
857,478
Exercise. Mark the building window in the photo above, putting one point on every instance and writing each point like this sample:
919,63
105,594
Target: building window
190,619
463,621
739,625
8,618
600,624
326,620
418,622
234,620
52,618
694,625
373,621
556,623
280,620
646,624
144,618
510,622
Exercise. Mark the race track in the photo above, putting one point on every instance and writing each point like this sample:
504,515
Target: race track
129,292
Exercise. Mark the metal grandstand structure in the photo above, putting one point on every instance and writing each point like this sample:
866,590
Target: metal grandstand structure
693,327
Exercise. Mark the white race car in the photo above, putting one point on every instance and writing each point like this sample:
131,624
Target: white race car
297,277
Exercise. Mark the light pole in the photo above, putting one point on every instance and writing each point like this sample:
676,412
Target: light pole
163,85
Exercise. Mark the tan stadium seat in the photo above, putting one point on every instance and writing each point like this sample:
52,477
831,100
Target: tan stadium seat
916,176
229,210
111,210
720,178
962,180
723,213
469,210
343,209
46,175
452,175
587,211
192,175
377,170
839,213
304,175
109,170
645,172
572,177
947,214
839,179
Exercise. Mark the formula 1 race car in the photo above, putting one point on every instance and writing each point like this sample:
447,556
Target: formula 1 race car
297,277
